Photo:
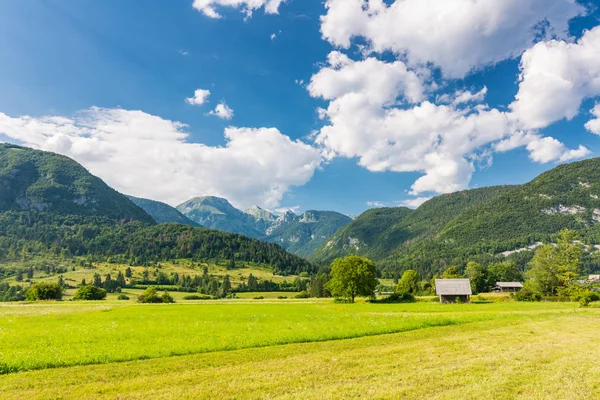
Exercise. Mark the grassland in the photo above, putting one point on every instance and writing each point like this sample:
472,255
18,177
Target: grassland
299,349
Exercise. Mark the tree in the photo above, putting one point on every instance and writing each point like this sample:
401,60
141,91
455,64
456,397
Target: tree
353,276
225,286
30,273
121,280
19,276
89,292
97,281
409,283
504,271
553,268
128,273
451,273
167,298
45,291
477,274
149,296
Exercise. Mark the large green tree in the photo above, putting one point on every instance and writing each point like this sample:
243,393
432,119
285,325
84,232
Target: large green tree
477,274
409,283
554,267
352,276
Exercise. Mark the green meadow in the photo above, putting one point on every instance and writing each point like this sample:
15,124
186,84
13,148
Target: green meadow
298,349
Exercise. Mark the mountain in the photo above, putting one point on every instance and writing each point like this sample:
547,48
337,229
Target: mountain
380,232
50,205
162,213
218,213
303,234
299,234
32,180
476,224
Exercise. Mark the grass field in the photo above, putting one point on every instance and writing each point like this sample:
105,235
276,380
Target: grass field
299,349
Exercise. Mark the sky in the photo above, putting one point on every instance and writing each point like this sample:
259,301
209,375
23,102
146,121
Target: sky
336,105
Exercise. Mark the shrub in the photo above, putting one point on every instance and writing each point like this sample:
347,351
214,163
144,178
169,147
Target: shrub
528,294
90,292
585,297
167,298
149,296
259,297
396,298
342,300
123,297
198,297
302,295
282,297
45,291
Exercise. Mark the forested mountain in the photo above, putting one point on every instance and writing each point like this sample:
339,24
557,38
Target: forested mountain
306,232
32,180
299,234
451,229
51,205
162,213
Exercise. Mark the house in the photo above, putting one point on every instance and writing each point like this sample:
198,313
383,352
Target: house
452,290
508,286
594,278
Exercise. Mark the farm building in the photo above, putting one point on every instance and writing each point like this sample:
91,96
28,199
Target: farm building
594,278
452,290
508,286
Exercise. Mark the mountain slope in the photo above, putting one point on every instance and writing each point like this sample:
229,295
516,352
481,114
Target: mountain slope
299,234
162,213
218,213
306,232
378,233
32,180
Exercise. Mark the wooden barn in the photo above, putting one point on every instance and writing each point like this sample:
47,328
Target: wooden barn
508,287
452,290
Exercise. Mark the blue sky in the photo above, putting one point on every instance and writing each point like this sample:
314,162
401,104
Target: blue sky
75,72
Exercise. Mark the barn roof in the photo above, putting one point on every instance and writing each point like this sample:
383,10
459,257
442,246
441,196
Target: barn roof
458,287
509,284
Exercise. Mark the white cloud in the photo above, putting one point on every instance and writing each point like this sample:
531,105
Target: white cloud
283,210
541,149
456,35
376,204
208,7
222,111
148,156
200,97
414,203
556,76
463,97
378,113
594,124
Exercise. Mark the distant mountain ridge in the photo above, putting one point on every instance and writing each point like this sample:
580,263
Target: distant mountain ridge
162,213
300,234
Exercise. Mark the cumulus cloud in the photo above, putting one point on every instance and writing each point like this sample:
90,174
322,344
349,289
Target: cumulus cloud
200,97
376,204
414,203
556,76
209,7
148,156
378,112
222,111
594,124
456,35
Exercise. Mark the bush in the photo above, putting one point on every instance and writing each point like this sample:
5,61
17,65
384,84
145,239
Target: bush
528,294
397,298
90,292
149,296
585,297
198,297
167,298
259,297
123,297
302,295
45,291
342,300
282,297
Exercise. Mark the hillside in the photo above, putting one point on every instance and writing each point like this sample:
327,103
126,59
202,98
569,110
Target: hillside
50,205
300,234
162,213
306,232
217,213
32,180
378,233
